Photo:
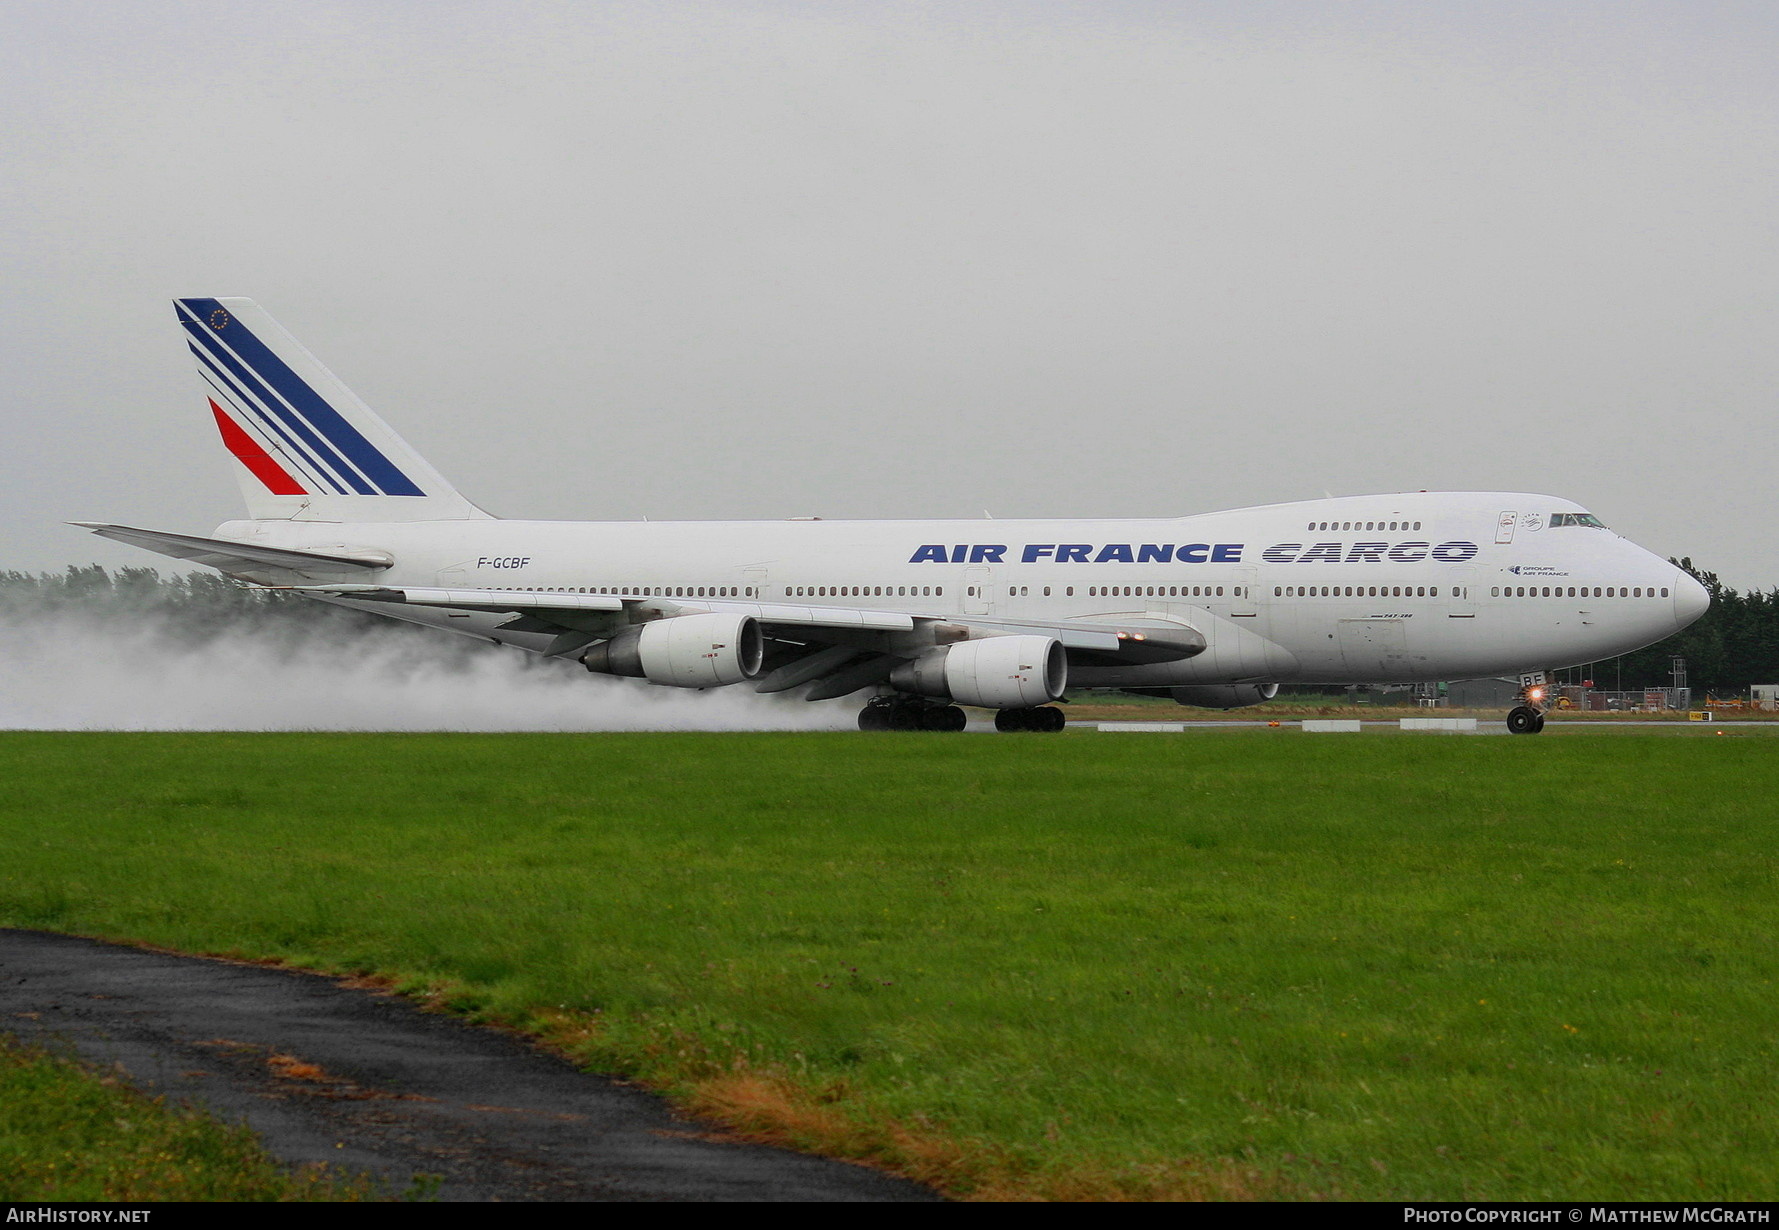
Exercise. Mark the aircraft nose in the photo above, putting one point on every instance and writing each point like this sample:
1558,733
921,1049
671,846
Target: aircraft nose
1690,599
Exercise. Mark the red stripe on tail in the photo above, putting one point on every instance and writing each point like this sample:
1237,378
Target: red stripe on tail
248,452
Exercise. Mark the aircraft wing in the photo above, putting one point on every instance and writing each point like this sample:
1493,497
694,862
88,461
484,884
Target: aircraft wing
539,602
836,650
243,557
1072,634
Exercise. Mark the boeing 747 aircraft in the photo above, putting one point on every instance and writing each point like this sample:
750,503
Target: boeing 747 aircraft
1216,609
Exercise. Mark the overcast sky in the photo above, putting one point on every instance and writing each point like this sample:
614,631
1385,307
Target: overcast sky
755,260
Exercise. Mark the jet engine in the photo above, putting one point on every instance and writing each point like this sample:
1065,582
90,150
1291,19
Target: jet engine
1225,696
998,672
683,651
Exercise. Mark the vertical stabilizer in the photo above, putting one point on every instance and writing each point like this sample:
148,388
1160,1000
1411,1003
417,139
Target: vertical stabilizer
308,449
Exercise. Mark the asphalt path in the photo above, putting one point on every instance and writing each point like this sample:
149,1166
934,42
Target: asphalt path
325,1071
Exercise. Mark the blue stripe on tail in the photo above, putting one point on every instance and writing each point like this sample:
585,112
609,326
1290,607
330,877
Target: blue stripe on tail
370,462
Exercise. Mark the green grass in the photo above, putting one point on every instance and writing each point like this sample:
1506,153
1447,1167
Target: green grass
70,1133
1262,964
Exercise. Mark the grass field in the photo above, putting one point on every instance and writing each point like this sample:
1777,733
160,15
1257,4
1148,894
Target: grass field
1233,964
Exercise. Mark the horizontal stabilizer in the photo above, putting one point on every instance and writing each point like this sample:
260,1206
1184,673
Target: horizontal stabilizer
243,557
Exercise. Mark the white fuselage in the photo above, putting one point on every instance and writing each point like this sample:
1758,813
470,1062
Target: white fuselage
1387,588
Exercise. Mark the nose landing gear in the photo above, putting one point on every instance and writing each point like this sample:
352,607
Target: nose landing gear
1527,717
1524,720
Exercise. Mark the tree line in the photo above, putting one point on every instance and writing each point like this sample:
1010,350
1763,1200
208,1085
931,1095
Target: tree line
191,608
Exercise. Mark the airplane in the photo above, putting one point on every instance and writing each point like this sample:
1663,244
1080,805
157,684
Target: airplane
1214,610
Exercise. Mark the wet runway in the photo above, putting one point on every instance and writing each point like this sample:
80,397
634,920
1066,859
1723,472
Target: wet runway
327,1072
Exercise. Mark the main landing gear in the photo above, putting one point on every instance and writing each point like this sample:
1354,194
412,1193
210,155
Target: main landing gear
914,713
1044,719
909,713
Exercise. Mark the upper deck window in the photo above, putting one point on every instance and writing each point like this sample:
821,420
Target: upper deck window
1587,519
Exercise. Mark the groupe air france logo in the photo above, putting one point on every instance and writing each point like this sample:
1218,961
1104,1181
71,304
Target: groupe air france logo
219,320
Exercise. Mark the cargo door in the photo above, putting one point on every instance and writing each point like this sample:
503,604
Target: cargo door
1375,650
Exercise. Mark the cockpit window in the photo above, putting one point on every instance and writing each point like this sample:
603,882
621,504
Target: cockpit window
1588,519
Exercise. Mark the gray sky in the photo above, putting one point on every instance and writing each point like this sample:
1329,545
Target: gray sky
736,260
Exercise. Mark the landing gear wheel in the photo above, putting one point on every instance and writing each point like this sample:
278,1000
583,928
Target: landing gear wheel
1524,720
905,715
908,713
1042,719
947,718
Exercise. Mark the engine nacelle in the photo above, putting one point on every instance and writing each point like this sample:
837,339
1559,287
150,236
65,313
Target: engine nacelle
998,672
684,651
1225,696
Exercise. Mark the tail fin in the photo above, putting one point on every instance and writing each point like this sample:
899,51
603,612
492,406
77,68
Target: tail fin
309,449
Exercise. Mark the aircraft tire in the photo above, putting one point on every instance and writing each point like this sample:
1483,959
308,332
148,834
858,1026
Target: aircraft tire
906,715
874,717
1524,720
948,718
1044,718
